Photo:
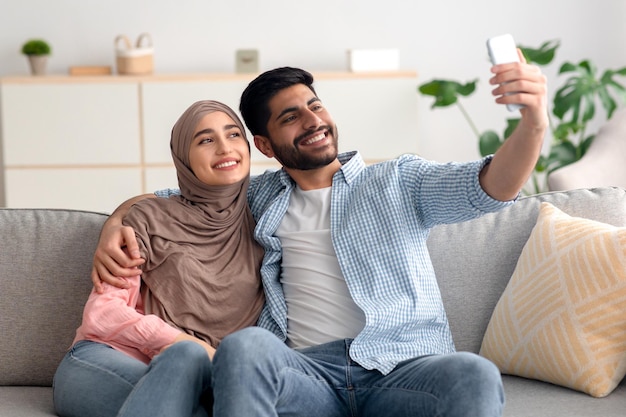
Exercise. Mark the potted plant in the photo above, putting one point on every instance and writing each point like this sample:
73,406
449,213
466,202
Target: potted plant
37,51
573,107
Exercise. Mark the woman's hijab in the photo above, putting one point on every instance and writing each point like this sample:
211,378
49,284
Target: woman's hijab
202,264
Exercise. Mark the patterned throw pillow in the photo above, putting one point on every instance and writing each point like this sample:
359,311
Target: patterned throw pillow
562,316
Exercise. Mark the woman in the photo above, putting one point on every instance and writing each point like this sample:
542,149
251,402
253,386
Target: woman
146,350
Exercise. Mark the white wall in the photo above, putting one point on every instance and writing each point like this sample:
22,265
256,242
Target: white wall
437,38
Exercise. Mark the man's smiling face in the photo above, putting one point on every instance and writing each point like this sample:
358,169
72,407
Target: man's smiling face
302,135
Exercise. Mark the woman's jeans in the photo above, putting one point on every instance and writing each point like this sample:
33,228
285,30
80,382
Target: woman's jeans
255,374
96,380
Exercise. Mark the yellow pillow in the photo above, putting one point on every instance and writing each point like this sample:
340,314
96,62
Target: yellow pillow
562,316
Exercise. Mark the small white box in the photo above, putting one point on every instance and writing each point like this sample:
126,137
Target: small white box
373,60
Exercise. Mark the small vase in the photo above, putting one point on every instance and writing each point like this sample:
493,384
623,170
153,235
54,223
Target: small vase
38,64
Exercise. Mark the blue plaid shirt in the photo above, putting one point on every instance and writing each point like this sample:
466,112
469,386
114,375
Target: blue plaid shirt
380,218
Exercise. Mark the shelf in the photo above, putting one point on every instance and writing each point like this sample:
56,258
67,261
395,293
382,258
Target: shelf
70,79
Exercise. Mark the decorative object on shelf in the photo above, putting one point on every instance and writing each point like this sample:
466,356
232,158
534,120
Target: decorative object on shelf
246,61
360,60
37,51
90,70
134,60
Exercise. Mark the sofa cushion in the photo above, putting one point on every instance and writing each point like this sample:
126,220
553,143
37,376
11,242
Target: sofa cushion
26,402
530,398
603,162
474,260
45,259
561,318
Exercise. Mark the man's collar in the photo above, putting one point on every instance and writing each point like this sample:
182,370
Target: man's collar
351,165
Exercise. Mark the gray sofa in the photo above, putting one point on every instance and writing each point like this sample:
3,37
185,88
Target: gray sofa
45,258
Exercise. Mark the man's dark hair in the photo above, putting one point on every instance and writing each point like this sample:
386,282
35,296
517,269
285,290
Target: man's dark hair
254,105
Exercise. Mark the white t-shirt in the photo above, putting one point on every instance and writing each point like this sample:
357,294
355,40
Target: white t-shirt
319,306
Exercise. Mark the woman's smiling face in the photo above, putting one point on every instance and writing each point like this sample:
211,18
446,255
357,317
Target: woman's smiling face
219,153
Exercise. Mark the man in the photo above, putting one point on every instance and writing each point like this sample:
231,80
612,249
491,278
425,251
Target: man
349,284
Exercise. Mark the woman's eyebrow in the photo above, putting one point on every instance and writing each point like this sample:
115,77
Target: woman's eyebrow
203,131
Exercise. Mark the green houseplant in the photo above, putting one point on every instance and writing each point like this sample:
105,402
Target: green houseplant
36,47
37,51
573,107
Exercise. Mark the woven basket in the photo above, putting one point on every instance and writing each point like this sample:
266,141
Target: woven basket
135,60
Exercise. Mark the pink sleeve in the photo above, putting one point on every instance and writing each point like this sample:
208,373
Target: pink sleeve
113,316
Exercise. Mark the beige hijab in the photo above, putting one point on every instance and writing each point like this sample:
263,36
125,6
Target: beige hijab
201,273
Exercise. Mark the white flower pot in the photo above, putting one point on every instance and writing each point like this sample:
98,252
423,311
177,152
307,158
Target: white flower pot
38,64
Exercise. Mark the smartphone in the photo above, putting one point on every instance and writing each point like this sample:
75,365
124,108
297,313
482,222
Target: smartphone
502,50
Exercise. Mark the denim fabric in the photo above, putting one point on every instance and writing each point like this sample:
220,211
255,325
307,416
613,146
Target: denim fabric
255,374
96,380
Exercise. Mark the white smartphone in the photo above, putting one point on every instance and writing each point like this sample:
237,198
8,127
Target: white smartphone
502,50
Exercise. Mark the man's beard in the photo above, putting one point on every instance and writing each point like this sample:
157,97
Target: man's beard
291,157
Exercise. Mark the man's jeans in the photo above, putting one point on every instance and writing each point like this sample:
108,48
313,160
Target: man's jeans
96,380
255,374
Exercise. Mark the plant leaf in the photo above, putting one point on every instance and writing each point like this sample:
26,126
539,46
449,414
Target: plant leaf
589,106
446,92
583,146
567,67
541,164
578,94
489,143
565,99
563,131
607,101
561,154
542,56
